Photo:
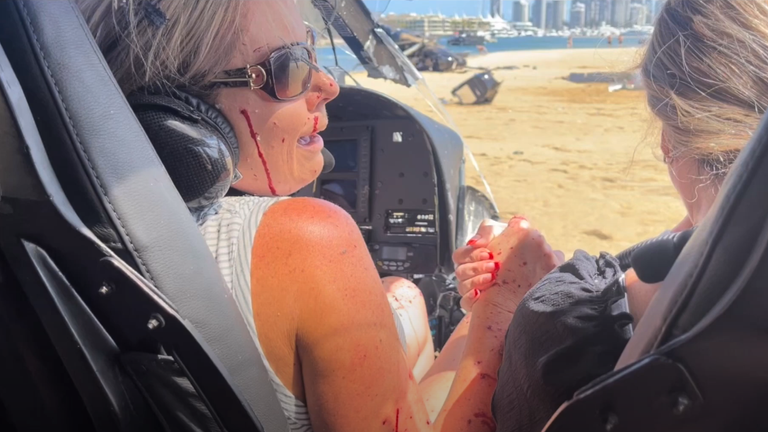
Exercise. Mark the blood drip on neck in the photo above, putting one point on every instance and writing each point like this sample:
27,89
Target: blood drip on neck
255,138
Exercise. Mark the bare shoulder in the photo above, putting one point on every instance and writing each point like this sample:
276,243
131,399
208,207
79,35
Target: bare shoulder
310,242
308,222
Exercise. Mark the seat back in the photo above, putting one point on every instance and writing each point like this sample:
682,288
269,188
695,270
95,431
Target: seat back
82,164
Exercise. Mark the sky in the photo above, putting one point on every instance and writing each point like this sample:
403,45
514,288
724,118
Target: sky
446,7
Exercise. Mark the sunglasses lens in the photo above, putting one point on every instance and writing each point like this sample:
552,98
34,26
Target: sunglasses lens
291,71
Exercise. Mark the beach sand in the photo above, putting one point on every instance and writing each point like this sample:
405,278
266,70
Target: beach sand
581,163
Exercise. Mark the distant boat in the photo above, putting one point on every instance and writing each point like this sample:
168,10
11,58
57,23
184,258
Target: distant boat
503,34
644,31
467,39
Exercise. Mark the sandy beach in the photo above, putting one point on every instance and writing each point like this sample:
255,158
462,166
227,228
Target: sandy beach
581,163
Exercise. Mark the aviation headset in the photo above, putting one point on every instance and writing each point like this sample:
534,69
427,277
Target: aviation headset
196,144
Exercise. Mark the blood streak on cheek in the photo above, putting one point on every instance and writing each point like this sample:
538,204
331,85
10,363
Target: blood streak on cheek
255,138
314,128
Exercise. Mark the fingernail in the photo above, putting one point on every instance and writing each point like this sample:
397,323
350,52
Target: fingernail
490,255
490,267
497,266
473,240
493,276
475,293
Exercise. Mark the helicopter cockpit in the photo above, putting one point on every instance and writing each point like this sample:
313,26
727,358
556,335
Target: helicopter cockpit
114,315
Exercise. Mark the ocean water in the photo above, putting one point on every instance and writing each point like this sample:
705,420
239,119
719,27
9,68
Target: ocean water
350,63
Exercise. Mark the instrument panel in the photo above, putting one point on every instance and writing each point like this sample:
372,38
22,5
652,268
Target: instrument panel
385,179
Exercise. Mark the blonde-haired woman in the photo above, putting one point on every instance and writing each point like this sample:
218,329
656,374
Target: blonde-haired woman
298,268
705,76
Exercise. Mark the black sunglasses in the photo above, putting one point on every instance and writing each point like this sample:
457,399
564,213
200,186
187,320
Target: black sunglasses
284,76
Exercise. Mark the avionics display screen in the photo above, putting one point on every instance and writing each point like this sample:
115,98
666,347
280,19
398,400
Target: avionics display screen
343,193
394,253
346,154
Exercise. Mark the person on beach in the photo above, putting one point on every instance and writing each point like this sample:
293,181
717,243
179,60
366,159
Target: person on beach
704,74
298,268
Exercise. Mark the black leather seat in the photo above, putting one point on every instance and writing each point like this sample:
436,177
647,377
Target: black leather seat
103,273
698,360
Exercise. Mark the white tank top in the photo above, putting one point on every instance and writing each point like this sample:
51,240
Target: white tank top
229,232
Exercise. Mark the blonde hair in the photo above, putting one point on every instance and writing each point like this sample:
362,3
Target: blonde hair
172,42
706,76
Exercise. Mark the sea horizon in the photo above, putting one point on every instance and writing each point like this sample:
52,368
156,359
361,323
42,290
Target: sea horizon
520,43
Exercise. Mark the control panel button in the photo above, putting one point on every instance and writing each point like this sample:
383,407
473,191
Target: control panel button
415,223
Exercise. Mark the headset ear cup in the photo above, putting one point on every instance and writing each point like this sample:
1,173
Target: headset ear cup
195,143
216,117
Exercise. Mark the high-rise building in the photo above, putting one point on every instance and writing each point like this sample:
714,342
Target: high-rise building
620,13
496,8
558,14
520,11
578,15
540,14
636,14
591,13
549,20
650,9
604,15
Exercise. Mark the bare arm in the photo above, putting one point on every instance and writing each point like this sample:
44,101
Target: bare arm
639,293
326,305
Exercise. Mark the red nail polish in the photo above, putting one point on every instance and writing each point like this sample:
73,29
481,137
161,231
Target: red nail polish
471,242
475,293
497,266
493,276
490,255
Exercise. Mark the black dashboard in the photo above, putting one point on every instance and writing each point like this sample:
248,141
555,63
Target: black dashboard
398,184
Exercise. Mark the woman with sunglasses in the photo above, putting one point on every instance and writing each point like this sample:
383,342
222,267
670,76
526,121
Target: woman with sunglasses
298,268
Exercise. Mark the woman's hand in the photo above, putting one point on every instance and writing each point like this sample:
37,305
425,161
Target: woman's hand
523,257
475,264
